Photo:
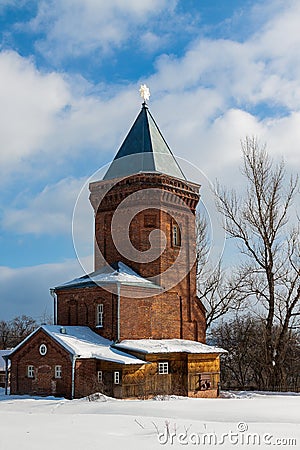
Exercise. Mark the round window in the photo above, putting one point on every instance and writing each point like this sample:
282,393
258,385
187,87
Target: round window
43,349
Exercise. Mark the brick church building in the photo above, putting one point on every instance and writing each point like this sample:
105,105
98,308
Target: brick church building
134,327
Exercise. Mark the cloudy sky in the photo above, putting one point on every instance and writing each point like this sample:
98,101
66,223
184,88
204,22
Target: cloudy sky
70,72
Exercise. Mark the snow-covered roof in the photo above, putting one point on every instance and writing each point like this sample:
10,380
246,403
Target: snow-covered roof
2,362
168,346
82,342
117,273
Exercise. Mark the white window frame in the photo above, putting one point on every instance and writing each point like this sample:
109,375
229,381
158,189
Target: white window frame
30,371
100,376
163,368
99,315
175,235
58,372
116,377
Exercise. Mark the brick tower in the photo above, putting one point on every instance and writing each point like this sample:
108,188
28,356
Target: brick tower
149,192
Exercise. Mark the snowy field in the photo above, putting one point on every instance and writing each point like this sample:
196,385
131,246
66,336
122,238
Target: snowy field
241,420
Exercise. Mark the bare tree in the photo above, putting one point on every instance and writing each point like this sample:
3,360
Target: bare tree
218,291
260,221
243,366
14,331
21,327
5,334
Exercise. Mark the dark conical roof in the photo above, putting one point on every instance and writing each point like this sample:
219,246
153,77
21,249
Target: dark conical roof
144,150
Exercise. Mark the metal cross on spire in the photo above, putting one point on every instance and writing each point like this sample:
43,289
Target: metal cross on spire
145,92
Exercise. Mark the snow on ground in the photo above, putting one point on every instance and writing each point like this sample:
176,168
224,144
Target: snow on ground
238,420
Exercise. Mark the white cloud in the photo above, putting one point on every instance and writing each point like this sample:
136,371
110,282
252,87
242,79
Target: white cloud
93,122
283,136
150,41
222,90
87,25
26,290
49,212
48,119
30,100
237,71
263,68
278,40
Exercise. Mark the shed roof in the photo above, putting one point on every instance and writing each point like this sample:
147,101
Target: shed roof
144,150
168,346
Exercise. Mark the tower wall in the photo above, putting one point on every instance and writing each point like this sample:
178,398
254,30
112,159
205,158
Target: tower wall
174,268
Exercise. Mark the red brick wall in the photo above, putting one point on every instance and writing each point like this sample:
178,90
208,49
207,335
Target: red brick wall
85,377
165,309
78,307
44,381
170,190
160,316
156,317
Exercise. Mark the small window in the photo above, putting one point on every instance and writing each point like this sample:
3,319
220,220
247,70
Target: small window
175,235
30,371
99,315
163,368
58,371
43,349
100,376
117,377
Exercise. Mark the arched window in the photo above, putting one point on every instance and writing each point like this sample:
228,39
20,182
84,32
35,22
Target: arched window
175,235
99,315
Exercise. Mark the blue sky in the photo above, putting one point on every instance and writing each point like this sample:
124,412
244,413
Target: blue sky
70,71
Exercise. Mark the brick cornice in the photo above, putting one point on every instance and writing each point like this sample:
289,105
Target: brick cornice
110,195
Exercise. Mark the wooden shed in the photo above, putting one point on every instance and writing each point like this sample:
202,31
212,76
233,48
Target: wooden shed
174,367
